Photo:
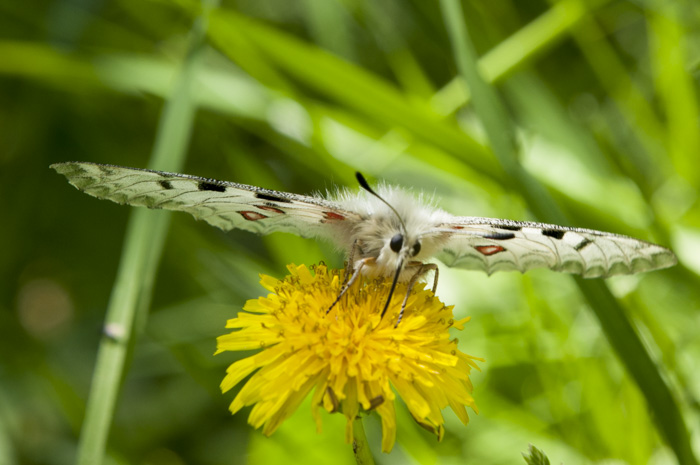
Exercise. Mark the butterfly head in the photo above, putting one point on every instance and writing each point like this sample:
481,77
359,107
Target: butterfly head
403,248
399,246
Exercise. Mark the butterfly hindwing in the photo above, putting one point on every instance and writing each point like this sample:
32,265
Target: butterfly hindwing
225,205
499,245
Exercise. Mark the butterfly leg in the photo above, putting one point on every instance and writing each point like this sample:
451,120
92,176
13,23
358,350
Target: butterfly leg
432,267
355,275
411,282
350,263
422,269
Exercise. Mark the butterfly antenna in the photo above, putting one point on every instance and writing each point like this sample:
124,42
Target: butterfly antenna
365,185
393,287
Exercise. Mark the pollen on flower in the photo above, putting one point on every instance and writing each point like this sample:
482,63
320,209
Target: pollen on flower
351,359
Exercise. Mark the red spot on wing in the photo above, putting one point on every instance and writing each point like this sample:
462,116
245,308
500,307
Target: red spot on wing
252,216
489,249
457,227
333,216
270,209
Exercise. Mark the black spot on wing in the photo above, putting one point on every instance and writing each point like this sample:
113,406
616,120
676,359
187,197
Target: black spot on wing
500,236
578,247
509,227
555,233
165,185
210,186
275,198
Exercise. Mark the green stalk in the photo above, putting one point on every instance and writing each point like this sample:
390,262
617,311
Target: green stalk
141,254
519,49
360,446
494,117
613,320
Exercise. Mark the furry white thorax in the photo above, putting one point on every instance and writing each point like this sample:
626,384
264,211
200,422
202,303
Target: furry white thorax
379,225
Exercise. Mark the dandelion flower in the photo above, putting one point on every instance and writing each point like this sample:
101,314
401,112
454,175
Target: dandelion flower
351,359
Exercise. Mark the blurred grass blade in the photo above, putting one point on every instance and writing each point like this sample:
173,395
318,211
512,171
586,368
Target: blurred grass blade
143,245
676,86
634,107
494,117
38,61
518,49
612,317
346,83
647,375
329,23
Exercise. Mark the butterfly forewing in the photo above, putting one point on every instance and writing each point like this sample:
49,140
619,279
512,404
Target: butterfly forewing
222,204
500,245
353,223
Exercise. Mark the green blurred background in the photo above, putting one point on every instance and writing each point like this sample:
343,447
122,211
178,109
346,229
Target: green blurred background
296,96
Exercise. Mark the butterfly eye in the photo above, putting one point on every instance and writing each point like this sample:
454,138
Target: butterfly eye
416,249
396,243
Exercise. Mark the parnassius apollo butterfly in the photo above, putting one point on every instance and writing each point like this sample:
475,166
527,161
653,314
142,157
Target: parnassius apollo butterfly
389,233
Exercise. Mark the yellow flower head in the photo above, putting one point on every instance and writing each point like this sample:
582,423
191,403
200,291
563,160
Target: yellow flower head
351,357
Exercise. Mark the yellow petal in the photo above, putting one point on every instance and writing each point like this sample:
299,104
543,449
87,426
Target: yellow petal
351,358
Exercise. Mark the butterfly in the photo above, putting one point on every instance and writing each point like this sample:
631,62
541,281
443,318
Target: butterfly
387,233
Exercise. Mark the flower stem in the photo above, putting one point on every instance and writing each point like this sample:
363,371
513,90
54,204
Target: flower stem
360,446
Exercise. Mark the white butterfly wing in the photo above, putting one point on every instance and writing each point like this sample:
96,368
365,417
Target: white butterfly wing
225,205
501,245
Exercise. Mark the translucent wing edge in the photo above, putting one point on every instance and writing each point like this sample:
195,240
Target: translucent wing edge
75,172
313,214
